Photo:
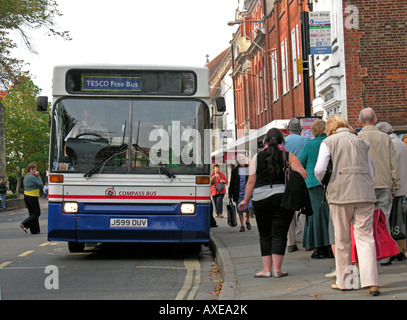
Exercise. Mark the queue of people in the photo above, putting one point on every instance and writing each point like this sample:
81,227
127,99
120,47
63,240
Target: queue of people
369,172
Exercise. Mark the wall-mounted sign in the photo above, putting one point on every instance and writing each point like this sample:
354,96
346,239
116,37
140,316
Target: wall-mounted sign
320,32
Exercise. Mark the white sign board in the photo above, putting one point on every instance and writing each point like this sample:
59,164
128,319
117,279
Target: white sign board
320,32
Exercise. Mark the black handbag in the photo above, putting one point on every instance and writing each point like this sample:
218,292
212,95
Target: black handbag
326,178
231,209
328,173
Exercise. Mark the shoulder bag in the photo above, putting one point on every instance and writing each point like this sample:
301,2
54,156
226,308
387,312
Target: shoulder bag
219,187
328,173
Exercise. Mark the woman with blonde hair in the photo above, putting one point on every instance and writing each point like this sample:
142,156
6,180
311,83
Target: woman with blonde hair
351,198
316,232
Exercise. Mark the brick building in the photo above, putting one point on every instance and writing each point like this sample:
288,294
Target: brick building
376,59
367,67
268,83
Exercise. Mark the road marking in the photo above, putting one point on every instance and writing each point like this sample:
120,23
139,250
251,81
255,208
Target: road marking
159,267
4,264
26,253
22,268
192,280
50,244
44,244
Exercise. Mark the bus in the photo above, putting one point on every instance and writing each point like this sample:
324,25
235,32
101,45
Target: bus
128,160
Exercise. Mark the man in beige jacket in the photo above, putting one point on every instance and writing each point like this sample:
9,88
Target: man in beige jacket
383,155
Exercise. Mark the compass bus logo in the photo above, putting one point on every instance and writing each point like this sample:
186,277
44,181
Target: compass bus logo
110,193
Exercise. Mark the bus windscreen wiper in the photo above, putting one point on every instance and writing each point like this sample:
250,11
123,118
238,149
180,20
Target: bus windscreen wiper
118,150
160,166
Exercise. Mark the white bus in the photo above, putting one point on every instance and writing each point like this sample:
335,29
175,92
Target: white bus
128,162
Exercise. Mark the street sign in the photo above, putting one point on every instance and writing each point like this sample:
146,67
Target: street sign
320,32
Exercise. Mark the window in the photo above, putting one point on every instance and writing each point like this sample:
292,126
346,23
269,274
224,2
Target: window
274,71
284,66
298,49
294,55
264,86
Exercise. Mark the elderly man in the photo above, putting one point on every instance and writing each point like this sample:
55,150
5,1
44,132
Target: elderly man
397,222
383,155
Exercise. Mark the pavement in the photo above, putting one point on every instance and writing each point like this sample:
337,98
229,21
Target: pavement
238,257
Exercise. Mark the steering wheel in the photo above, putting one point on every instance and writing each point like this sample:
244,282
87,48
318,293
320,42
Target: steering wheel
92,134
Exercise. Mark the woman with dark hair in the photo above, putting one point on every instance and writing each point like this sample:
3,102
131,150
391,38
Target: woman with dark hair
218,190
32,186
266,184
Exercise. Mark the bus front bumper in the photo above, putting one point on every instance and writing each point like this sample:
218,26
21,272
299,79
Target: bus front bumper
129,223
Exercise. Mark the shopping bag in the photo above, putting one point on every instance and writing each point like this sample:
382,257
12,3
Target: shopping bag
231,209
386,247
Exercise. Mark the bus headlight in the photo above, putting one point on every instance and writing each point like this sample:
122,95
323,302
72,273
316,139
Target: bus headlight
70,207
187,208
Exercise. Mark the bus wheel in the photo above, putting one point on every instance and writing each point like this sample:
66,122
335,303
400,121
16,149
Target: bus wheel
76,246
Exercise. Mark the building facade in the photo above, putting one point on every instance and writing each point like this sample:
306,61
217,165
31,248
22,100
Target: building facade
329,70
267,47
376,57
367,66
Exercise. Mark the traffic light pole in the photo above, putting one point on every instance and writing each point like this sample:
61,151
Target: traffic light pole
306,63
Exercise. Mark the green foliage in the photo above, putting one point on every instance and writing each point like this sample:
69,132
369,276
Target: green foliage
27,130
20,16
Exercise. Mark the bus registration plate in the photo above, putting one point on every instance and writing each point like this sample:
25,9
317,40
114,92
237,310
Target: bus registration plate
128,223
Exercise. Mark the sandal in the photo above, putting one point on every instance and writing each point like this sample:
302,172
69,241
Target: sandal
248,226
22,227
241,229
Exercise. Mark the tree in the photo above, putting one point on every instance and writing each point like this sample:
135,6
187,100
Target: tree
20,16
27,134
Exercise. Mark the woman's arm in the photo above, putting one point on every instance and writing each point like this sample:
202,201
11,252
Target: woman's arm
324,156
295,165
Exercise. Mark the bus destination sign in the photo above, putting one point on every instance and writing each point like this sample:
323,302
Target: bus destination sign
111,83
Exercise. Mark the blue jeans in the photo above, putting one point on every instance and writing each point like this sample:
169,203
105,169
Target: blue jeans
3,200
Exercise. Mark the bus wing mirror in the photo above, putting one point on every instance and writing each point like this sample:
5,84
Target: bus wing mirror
220,104
42,103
